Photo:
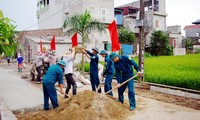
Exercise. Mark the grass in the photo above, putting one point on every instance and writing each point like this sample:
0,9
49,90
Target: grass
179,71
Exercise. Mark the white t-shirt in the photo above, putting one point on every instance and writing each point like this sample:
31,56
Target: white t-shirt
69,63
53,59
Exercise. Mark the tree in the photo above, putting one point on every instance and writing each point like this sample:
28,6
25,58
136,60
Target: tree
7,43
83,24
159,43
126,36
188,45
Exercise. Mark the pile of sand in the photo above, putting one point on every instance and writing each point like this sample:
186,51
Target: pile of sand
86,105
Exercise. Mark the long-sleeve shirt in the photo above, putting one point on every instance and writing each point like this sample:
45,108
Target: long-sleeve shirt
69,63
38,60
109,64
94,59
53,74
124,68
53,59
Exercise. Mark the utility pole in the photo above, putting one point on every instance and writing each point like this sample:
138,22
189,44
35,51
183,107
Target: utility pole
141,42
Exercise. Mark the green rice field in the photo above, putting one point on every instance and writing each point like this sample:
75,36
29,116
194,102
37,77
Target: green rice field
179,71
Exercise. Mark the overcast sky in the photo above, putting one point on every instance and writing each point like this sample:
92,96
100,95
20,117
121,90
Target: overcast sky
23,12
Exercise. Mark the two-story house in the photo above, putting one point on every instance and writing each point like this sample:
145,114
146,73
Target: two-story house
51,14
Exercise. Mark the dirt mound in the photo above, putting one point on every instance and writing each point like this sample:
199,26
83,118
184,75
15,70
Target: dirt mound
86,105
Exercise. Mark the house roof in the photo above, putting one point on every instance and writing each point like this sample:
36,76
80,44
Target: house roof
196,22
41,32
127,8
189,27
47,39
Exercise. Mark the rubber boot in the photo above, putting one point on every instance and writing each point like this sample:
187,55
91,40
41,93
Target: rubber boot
18,69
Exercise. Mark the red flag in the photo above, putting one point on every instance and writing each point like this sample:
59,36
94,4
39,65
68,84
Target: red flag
74,40
53,43
114,36
40,45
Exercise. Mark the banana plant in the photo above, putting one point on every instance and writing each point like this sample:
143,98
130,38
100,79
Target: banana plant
7,43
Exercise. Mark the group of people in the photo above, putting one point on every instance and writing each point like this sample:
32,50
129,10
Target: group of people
55,73
121,65
19,60
43,61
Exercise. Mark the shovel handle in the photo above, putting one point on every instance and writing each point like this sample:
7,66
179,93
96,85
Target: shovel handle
121,84
64,93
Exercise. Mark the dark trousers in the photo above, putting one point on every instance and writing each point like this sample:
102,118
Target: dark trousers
108,84
8,60
70,82
49,91
131,93
46,66
94,79
38,69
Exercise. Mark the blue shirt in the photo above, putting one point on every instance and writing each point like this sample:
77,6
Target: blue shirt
109,64
53,74
94,59
20,59
124,68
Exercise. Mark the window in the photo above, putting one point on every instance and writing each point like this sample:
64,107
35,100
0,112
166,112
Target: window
156,24
103,14
107,46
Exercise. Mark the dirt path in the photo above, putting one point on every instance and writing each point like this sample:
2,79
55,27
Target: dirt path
149,109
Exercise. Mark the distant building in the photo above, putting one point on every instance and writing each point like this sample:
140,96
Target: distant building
196,22
155,16
51,15
176,39
193,32
30,41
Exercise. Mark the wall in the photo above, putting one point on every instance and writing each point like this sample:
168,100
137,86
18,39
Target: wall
178,40
96,7
179,51
192,32
161,22
51,17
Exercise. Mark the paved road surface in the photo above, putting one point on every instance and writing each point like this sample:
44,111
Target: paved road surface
18,93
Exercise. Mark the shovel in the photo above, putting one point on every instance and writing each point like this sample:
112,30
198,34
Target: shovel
100,85
64,93
121,84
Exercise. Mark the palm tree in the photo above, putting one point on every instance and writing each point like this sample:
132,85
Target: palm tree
83,24
188,45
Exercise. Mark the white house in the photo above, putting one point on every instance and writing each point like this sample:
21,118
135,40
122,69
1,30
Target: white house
52,13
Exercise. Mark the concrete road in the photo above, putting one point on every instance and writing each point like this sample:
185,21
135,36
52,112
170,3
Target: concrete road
18,93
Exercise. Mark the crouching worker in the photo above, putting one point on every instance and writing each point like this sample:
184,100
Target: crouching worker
54,73
124,71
